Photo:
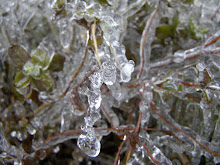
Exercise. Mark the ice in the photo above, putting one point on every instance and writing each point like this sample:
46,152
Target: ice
66,32
31,130
94,99
66,117
159,156
111,114
92,118
137,157
96,80
108,72
179,56
90,147
81,6
116,90
172,142
126,71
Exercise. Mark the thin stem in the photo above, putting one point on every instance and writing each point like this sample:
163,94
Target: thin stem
177,129
213,41
138,123
216,11
144,37
107,115
95,44
190,56
190,84
119,150
116,59
61,134
128,154
151,156
75,74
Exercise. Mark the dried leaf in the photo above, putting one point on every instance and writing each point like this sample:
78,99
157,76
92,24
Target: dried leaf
18,55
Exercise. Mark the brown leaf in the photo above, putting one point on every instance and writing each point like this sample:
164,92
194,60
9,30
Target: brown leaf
18,55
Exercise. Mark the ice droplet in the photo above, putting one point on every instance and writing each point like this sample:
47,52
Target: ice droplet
179,56
88,146
31,130
126,71
159,156
66,32
94,100
96,80
108,73
92,118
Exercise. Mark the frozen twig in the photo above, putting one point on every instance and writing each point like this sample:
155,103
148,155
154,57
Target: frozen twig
177,129
152,158
119,150
95,44
143,41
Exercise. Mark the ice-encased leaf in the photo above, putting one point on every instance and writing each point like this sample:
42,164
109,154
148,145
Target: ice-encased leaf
22,80
57,62
32,70
40,57
18,55
90,147
44,83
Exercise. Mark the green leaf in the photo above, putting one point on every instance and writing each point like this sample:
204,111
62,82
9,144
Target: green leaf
163,31
32,70
44,83
102,2
60,3
21,80
18,55
196,31
40,57
57,63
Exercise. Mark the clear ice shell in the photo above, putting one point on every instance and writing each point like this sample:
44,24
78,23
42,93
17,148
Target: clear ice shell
126,71
108,72
179,56
96,80
94,100
88,146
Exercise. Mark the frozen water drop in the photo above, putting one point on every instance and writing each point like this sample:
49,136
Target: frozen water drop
126,71
81,6
31,130
95,100
56,149
96,80
108,72
90,148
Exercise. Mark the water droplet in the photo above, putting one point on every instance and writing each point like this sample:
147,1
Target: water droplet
89,147
108,72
